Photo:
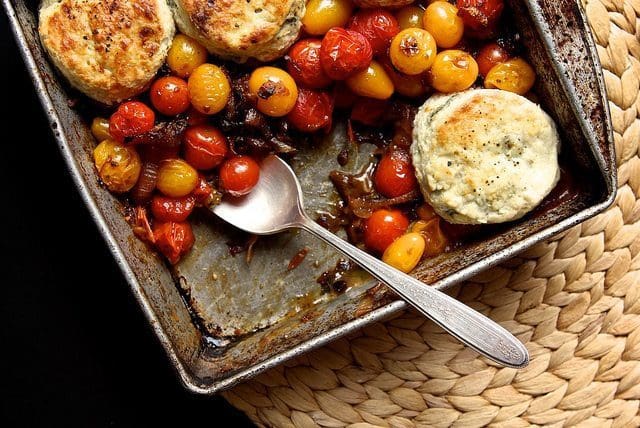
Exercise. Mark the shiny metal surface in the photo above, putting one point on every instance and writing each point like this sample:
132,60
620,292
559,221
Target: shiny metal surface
275,205
570,85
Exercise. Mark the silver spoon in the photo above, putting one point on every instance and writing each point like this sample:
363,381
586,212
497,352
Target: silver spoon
275,205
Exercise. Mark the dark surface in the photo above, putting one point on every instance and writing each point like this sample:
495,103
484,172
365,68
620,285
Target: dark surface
66,363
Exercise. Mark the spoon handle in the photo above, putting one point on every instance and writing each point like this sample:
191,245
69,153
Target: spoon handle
467,325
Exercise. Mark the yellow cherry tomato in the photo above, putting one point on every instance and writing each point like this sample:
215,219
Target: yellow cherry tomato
176,178
100,128
405,252
274,90
453,71
514,75
442,21
374,82
321,15
406,85
413,51
410,17
185,55
209,89
118,165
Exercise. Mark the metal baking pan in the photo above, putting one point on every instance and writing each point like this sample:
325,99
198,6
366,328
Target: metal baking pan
222,320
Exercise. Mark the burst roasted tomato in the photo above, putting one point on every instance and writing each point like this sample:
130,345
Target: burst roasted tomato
303,64
173,239
379,26
172,209
490,55
384,227
312,111
480,17
344,53
239,175
204,147
130,119
394,175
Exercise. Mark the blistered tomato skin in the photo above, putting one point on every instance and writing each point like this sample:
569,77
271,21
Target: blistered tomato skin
374,82
395,175
303,64
173,239
442,21
313,111
172,209
239,175
209,89
185,55
118,165
379,26
453,71
130,119
344,53
321,15
410,17
413,51
384,227
480,16
176,178
514,75
274,90
170,95
205,147
490,55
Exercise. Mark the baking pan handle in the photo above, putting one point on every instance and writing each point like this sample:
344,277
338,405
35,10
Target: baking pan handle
467,325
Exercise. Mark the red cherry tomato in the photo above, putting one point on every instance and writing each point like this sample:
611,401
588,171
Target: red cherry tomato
194,117
239,175
394,175
204,147
164,208
173,239
368,111
170,95
344,53
203,192
379,26
480,17
130,119
303,64
383,227
490,55
312,111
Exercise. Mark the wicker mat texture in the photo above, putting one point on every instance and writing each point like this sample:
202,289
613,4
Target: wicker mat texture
575,302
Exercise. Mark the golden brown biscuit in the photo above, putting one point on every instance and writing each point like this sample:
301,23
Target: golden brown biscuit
241,29
108,49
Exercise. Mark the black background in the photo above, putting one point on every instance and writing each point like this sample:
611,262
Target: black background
75,347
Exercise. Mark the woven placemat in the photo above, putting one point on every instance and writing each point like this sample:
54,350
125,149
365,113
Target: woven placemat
575,302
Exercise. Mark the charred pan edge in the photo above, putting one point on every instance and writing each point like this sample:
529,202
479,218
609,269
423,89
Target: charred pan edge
602,151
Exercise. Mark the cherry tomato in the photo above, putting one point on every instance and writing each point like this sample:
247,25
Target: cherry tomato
312,111
185,55
204,147
490,55
176,178
373,82
413,51
394,175
410,86
239,175
442,21
172,209
100,129
274,90
118,165
377,25
453,71
130,119
513,75
209,89
344,53
303,64
410,17
321,15
369,111
203,192
169,95
173,239
384,227
480,17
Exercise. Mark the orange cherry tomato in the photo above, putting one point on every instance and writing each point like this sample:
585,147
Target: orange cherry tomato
395,175
239,175
313,111
173,239
490,55
384,227
130,119
379,26
480,17
344,53
170,95
303,64
164,208
204,147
